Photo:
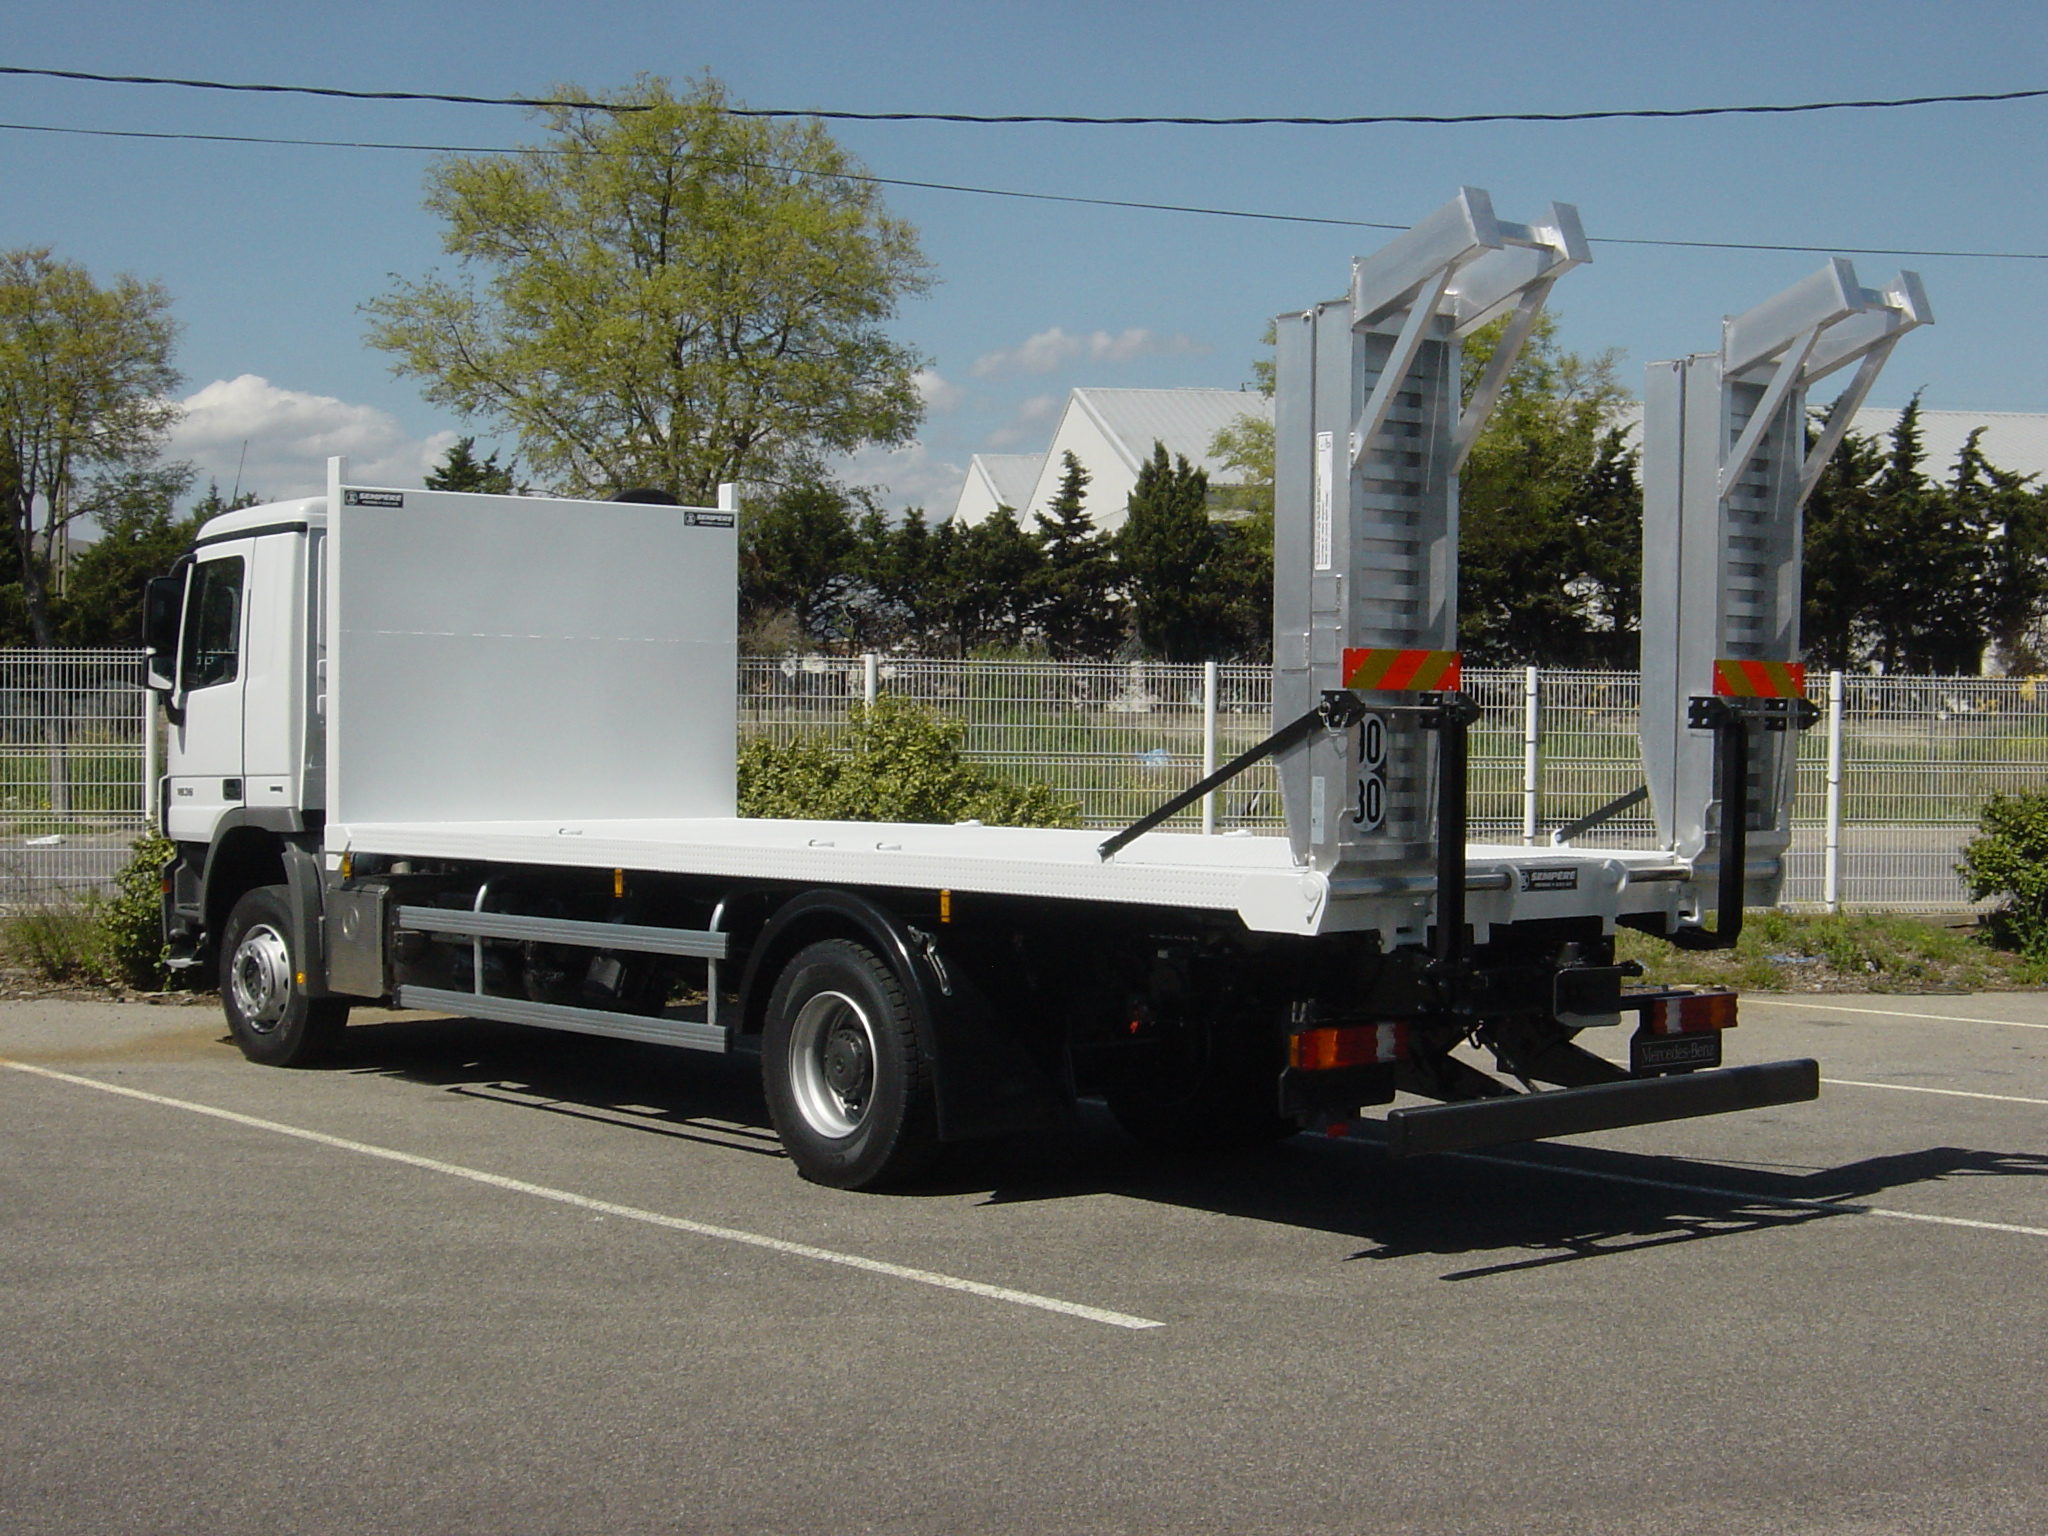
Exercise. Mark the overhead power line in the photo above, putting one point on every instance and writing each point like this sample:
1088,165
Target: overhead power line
1008,192
1432,119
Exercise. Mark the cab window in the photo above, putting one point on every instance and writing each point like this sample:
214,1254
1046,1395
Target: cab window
213,624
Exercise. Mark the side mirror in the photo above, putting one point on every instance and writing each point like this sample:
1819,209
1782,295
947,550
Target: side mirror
162,601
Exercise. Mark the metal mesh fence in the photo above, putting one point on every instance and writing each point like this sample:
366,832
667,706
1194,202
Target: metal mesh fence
72,790
1919,755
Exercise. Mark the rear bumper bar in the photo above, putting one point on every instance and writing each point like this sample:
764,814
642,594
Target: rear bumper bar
1603,1107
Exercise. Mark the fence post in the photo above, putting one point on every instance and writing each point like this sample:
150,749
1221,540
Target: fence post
1208,744
1532,722
149,769
1831,878
870,677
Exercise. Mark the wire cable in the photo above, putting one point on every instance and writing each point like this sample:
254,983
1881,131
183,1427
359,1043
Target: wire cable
1363,120
1011,192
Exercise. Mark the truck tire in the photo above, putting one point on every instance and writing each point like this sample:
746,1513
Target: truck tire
848,1084
262,986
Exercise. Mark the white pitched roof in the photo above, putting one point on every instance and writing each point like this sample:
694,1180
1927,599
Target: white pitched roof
1111,431
1185,420
1010,475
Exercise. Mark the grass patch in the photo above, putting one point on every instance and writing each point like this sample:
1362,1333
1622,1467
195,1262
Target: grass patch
93,939
56,940
1842,952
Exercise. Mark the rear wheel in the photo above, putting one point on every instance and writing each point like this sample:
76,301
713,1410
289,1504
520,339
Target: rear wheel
848,1083
263,986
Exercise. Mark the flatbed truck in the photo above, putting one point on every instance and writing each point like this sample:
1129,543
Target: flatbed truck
476,754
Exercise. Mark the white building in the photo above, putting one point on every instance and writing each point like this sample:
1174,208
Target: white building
1111,431
2015,440
997,480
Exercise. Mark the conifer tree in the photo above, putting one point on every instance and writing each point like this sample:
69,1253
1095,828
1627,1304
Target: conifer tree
1073,598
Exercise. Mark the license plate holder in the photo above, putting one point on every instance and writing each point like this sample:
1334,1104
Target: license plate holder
1654,1055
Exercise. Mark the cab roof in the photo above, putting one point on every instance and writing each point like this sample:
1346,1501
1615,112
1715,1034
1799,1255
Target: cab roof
271,517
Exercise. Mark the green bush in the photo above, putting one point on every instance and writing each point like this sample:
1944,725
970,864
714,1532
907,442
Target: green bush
895,762
131,923
2009,858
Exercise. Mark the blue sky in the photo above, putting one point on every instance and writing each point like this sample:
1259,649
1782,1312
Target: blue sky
269,251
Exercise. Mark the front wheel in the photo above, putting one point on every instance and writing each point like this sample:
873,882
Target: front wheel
848,1083
263,986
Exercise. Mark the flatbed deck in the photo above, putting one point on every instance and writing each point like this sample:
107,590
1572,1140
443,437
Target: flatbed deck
1254,876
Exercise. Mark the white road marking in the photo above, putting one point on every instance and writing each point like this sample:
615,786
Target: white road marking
612,1208
1750,999
1953,1093
1827,1207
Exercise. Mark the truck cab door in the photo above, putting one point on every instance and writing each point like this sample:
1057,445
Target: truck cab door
205,776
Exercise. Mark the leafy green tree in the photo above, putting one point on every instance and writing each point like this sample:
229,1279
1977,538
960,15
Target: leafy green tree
672,297
896,762
1911,574
799,554
2013,518
1246,443
1166,550
140,536
1073,597
1929,616
461,470
985,576
1538,500
1549,549
85,375
1241,585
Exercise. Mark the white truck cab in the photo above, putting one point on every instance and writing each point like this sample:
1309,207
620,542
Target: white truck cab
247,697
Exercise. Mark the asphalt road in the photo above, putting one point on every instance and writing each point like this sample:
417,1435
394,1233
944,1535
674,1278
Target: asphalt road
477,1279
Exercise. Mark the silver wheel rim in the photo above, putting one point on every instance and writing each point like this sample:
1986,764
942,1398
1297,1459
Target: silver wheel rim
832,1064
261,978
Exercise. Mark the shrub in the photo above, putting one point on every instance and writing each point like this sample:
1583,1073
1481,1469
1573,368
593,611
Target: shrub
2009,858
131,923
896,762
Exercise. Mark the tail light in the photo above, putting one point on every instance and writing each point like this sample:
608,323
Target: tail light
1351,1045
1689,1013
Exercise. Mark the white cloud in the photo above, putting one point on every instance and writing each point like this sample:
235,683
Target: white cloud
1052,349
1031,415
910,476
938,395
290,435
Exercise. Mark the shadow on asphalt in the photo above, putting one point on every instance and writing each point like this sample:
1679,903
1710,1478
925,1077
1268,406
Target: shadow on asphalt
1531,1206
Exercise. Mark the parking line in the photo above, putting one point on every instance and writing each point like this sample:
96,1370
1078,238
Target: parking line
612,1208
1821,1207
1889,1013
1953,1093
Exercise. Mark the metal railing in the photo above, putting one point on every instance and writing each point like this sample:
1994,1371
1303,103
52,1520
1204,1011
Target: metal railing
1890,783
76,760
